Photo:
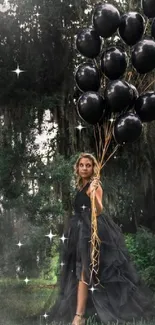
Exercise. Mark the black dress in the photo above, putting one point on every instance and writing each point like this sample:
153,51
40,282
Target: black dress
120,295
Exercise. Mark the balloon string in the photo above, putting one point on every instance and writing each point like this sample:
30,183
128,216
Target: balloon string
95,240
128,61
147,22
141,82
129,76
111,154
137,79
96,64
97,149
151,83
100,142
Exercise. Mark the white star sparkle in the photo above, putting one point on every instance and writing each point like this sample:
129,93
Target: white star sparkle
26,280
83,207
92,289
63,238
18,71
62,264
19,244
112,119
45,315
80,127
50,235
37,14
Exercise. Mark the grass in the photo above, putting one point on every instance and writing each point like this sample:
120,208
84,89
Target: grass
20,302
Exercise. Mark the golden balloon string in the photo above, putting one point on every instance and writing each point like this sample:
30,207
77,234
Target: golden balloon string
148,86
141,82
146,25
101,149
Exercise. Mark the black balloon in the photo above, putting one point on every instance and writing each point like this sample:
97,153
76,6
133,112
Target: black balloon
87,77
131,27
153,29
113,63
143,56
149,8
118,95
134,97
127,128
106,19
88,43
90,107
145,106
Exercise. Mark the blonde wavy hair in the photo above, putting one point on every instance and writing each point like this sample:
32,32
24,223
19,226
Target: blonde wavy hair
76,167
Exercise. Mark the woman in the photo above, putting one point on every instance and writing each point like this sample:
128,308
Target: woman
119,295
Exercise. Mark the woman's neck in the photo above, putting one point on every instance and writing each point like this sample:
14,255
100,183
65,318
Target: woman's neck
85,181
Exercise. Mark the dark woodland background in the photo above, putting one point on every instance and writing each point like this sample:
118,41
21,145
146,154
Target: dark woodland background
36,186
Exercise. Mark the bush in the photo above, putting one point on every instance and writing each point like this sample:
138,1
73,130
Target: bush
142,249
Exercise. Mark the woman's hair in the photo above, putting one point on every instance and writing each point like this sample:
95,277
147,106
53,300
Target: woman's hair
76,166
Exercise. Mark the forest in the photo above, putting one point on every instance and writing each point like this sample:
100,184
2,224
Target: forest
40,140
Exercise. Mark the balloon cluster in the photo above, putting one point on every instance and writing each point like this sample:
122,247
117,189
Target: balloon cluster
106,89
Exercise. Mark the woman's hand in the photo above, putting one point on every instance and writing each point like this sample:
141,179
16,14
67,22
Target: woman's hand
94,184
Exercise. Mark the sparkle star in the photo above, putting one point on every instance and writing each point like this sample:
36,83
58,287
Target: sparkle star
50,235
45,315
112,119
80,127
26,280
92,289
83,207
37,14
63,238
18,71
62,264
19,244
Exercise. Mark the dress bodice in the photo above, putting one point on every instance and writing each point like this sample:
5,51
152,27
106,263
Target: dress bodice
82,201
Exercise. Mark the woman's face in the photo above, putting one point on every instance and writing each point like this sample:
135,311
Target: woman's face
85,168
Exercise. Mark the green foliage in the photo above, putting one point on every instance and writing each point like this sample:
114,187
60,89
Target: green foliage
33,296
35,194
50,269
142,249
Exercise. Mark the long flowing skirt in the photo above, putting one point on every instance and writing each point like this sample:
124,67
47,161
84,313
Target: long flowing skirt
120,294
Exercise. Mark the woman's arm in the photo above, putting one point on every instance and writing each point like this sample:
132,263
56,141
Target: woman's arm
95,186
98,200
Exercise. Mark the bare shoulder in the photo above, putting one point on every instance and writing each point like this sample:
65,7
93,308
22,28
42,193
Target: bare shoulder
99,191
